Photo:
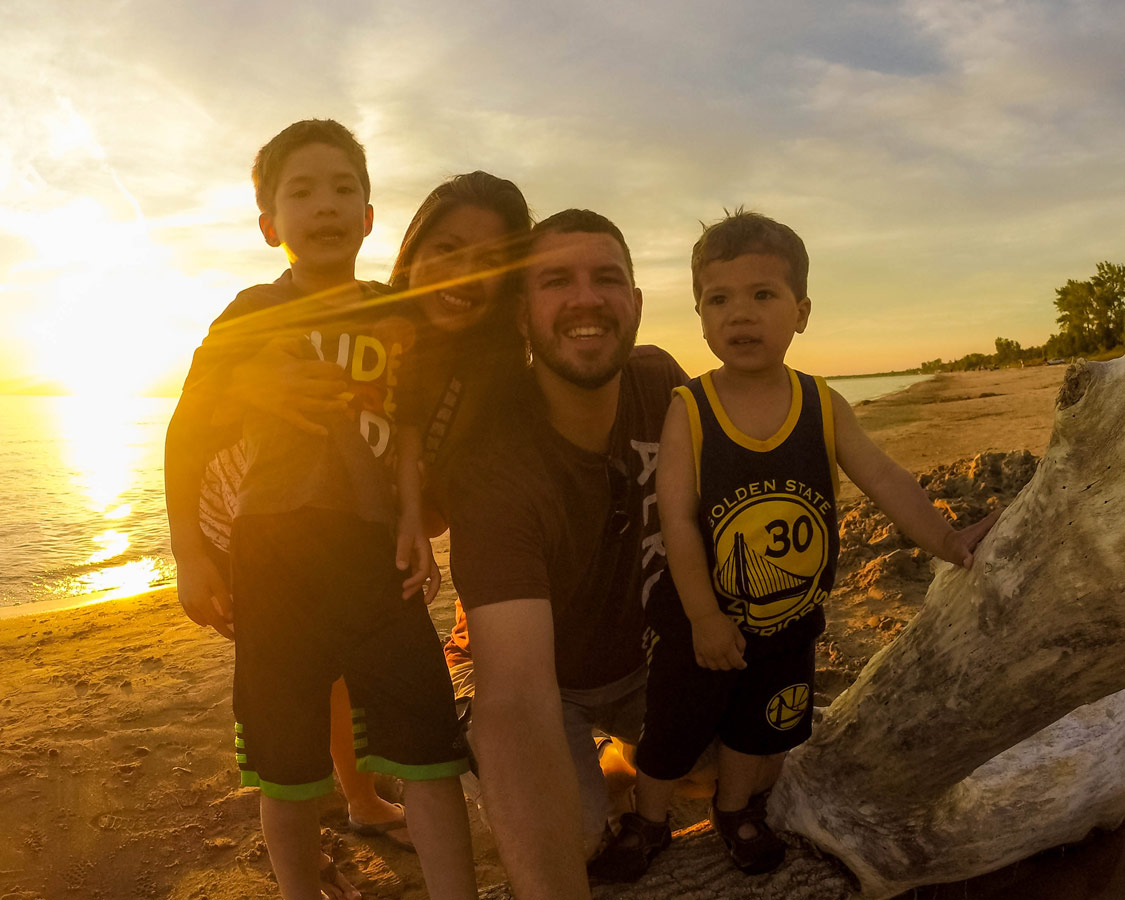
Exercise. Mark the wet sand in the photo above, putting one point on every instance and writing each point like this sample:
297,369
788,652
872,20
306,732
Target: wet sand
117,775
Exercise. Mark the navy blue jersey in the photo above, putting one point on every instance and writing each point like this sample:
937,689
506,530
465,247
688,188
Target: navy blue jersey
767,512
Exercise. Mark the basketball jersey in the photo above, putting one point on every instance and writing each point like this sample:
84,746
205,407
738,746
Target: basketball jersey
767,512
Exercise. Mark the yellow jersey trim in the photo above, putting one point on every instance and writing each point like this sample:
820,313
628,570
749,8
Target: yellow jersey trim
829,430
738,436
694,425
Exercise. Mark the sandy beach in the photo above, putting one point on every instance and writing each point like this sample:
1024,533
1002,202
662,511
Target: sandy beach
117,776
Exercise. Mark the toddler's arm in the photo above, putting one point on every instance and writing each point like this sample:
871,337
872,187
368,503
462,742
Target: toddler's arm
413,548
898,494
716,639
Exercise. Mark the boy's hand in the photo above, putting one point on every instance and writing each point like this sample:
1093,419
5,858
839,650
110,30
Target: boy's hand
276,380
203,593
414,553
959,545
717,642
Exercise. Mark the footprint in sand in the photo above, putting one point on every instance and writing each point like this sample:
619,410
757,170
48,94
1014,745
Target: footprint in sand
109,822
151,664
82,688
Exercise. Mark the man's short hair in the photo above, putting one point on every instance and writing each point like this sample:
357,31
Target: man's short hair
571,221
270,160
744,232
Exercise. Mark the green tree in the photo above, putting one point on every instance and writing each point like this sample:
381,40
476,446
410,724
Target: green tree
1007,351
1092,313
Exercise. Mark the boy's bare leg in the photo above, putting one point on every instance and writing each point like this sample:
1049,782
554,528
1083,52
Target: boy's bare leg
292,832
439,825
365,806
741,776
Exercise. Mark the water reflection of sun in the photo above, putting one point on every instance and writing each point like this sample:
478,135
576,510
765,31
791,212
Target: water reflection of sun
102,445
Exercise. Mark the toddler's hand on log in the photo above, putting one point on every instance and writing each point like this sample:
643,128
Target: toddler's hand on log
717,642
960,544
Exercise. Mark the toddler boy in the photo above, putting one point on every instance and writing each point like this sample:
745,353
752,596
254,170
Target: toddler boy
746,489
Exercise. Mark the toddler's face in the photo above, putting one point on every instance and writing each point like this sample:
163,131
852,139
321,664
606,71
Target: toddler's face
749,311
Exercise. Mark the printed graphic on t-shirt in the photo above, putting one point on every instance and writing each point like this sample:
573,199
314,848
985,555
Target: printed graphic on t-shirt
371,360
771,546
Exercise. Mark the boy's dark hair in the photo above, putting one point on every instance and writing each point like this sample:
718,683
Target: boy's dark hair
472,189
744,232
271,158
571,221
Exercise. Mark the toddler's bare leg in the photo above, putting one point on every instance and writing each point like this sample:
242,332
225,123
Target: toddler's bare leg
741,776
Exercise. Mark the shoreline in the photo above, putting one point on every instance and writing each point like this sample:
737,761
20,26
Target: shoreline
78,601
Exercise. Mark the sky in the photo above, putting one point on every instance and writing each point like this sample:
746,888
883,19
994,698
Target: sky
949,163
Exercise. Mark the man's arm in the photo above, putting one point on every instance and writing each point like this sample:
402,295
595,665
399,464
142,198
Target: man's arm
717,642
527,775
898,494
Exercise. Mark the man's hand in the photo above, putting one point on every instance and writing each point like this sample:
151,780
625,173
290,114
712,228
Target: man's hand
959,545
276,380
203,593
414,553
717,642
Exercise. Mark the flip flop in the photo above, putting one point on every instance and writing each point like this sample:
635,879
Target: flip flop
331,880
389,830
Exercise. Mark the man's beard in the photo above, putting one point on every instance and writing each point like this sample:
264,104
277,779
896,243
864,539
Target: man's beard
589,376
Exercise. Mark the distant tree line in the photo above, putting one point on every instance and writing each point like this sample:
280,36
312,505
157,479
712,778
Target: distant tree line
1091,319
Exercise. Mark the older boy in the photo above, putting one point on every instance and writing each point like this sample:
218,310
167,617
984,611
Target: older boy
746,489
317,592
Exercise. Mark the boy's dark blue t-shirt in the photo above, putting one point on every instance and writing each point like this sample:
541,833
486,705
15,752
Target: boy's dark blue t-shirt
287,468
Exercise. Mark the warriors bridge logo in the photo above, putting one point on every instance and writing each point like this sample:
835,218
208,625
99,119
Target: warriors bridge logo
770,551
787,707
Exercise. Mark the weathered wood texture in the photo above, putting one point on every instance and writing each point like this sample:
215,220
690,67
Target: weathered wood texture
906,778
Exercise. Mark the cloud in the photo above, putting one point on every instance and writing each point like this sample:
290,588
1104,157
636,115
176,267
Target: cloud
961,155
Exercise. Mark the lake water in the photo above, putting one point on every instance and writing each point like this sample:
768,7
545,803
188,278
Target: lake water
82,494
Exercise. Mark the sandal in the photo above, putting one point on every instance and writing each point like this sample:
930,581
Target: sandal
764,851
628,855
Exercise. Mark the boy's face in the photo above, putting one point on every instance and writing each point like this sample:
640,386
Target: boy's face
750,312
320,217
580,310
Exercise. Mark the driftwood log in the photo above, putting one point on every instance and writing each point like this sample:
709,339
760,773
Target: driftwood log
994,726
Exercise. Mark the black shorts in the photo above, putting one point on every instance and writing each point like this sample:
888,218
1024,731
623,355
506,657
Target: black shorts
763,709
317,596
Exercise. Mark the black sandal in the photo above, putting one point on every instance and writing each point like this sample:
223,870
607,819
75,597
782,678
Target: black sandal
628,855
755,855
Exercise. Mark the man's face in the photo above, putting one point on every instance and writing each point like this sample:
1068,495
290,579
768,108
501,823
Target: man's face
580,310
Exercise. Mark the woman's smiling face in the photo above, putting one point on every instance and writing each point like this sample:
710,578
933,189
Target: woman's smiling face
466,247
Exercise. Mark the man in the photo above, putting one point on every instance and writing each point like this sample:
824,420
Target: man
555,542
